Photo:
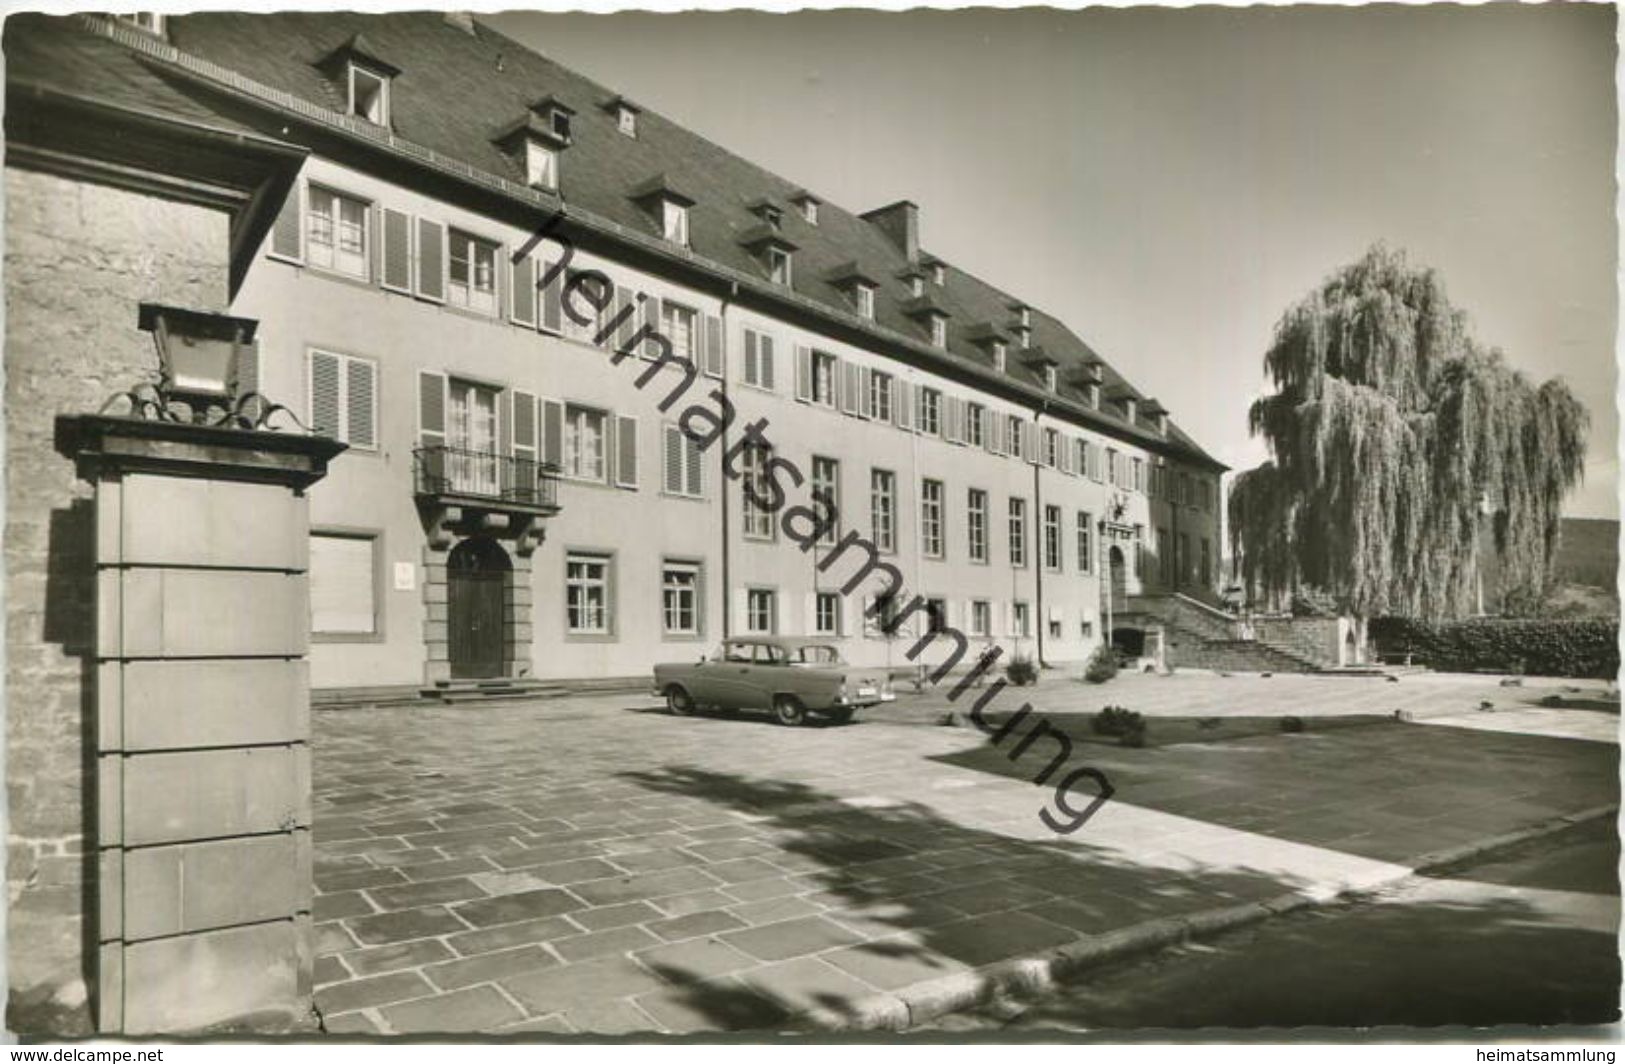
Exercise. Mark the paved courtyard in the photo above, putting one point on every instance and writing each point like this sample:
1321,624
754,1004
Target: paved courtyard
592,864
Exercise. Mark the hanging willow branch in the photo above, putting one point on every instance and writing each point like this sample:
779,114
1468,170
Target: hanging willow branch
1397,444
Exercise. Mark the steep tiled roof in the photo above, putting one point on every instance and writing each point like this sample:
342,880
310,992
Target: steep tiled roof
461,85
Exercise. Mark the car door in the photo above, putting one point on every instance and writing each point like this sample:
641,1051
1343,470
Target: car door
703,678
730,679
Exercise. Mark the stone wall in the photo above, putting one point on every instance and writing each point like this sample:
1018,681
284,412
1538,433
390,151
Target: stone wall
79,258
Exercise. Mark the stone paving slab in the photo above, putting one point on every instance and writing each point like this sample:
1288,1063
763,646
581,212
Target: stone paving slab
588,865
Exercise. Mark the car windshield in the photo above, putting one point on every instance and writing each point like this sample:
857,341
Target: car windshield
815,654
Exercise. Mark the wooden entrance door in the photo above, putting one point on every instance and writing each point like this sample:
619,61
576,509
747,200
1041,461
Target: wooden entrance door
1118,578
477,572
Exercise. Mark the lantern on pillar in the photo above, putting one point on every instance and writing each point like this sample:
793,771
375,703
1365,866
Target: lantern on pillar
200,358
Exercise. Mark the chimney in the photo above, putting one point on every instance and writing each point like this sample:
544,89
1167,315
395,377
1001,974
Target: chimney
901,222
463,20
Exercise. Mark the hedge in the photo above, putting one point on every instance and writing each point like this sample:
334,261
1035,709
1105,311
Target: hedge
1536,647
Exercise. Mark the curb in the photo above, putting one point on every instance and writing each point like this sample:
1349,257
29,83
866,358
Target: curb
913,1005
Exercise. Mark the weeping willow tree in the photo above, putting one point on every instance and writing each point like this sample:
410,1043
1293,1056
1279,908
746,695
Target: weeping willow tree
1398,446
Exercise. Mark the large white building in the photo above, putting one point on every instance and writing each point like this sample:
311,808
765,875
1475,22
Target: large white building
517,502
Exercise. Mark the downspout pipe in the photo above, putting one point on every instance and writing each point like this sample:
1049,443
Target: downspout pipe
722,470
1041,618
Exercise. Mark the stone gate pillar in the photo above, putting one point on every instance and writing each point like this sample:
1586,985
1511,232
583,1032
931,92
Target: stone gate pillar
202,791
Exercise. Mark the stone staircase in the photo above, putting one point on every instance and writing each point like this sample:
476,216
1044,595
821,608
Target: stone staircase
1199,636
455,692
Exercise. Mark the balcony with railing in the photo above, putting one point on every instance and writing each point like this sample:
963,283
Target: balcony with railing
485,478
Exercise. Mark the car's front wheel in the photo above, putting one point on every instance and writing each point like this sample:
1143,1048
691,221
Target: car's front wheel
679,702
788,710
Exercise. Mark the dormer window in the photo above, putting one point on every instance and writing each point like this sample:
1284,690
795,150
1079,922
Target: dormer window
1024,314
369,95
1024,335
778,265
1049,378
151,21
916,285
939,274
768,212
626,121
939,330
809,211
864,296
674,222
541,165
1092,391
1000,353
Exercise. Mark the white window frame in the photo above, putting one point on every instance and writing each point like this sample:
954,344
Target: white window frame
755,518
761,610
883,509
580,579
1017,512
674,222
1052,537
780,267
1000,355
824,374
826,483
477,292
1021,619
1086,542
864,296
577,418
541,165
882,395
981,618
381,118
975,424
357,264
929,421
626,121
826,621
932,537
679,324
939,330
672,593
976,524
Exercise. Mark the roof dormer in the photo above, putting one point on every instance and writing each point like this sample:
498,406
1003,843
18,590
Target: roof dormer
806,204
1127,402
928,312
914,277
556,118
859,285
773,250
1044,364
1089,376
364,78
1158,415
667,205
625,113
1023,313
534,143
767,212
936,269
991,339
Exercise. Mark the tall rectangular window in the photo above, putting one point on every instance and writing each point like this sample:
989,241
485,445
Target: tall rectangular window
976,524
586,594
369,95
778,266
880,395
883,508
1018,532
756,491
674,222
1086,551
826,488
827,613
981,617
337,234
1013,436
1138,468
1052,537
472,276
939,330
823,378
677,325
930,419
761,611
541,165
1112,477
865,296
1021,622
343,585
1052,448
584,443
931,518
975,424
680,598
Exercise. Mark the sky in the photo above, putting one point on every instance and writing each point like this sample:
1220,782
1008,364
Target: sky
1169,181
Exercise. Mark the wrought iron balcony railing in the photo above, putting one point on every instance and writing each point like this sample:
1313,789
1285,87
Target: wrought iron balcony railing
445,471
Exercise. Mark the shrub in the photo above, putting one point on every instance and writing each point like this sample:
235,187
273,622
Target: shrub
1292,724
1546,647
1118,721
1021,671
1102,665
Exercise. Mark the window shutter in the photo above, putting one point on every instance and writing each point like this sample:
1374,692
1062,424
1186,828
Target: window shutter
764,359
248,377
741,610
625,312
600,333
524,426
552,433
672,437
803,374
694,461
1030,447
653,317
713,345
360,397
324,394
288,231
866,405
809,615
626,451
431,408
902,404
950,418
397,250
431,279
851,380
552,298
524,292
1063,454
753,372
992,430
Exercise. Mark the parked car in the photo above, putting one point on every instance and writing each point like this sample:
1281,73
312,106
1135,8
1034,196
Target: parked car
790,677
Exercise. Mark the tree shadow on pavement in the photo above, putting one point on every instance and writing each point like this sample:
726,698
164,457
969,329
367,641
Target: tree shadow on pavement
909,896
